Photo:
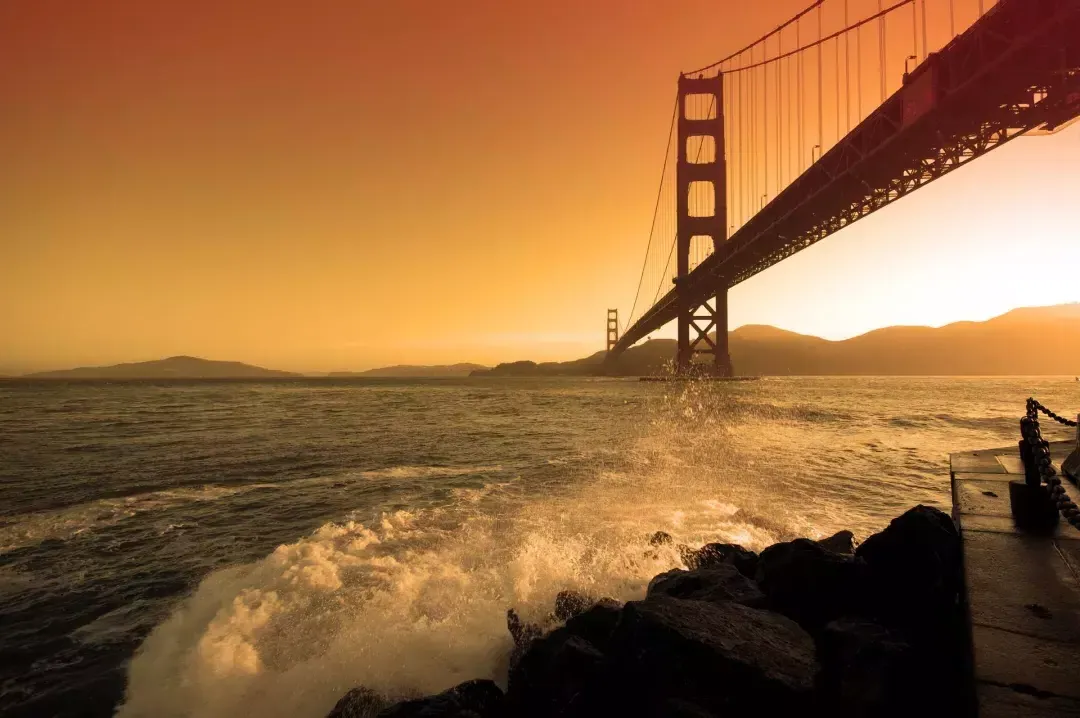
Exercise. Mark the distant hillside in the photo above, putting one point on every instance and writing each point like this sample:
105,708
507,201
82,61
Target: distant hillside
179,367
1030,341
414,371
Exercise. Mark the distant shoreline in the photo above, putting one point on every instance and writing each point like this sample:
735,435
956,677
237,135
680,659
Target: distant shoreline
998,347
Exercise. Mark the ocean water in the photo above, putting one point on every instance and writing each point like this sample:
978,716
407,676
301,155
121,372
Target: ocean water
258,548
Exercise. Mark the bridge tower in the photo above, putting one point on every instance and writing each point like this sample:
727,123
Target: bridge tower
701,182
612,328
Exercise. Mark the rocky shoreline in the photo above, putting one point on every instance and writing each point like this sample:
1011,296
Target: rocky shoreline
805,628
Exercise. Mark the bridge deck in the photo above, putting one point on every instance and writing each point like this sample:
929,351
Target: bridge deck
1023,593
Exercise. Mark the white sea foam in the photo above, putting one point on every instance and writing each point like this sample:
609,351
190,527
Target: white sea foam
70,521
414,603
424,472
65,523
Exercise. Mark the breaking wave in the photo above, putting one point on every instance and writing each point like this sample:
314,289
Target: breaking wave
62,524
412,602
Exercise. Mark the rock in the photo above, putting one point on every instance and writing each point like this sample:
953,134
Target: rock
721,583
915,566
915,572
560,674
722,657
522,634
720,554
810,584
866,670
358,703
597,623
571,603
661,538
840,542
472,699
678,708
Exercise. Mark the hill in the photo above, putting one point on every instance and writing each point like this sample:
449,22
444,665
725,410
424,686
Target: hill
414,371
178,367
1028,341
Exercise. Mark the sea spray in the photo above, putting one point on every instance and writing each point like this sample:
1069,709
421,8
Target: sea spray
415,601
406,605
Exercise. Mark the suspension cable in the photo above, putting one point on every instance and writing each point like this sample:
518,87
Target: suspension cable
656,208
838,33
760,40
675,241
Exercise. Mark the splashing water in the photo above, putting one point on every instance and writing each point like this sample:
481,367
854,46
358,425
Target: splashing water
405,606
416,602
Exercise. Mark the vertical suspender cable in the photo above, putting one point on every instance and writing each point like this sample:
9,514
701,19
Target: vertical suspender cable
787,129
925,44
952,19
728,84
748,155
847,60
753,166
837,71
858,71
914,33
799,101
779,115
881,48
742,149
820,88
765,114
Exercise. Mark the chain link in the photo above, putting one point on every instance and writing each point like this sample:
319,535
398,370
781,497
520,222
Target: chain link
1040,454
1052,415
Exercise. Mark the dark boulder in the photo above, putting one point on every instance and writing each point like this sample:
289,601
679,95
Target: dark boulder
915,569
915,566
522,634
661,538
560,674
811,584
722,657
597,623
358,703
571,603
720,583
678,708
840,542
867,670
722,554
472,699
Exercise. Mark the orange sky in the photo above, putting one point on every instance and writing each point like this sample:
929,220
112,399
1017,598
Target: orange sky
344,184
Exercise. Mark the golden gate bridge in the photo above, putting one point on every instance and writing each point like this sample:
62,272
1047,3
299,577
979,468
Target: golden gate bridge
841,110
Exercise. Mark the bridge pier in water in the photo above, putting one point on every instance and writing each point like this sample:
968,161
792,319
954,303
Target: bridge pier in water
701,182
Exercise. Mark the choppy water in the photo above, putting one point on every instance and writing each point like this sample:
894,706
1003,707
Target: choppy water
234,548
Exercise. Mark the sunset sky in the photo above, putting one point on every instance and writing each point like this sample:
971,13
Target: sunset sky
341,184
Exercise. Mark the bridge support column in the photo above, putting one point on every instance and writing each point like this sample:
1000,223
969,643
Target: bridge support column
701,181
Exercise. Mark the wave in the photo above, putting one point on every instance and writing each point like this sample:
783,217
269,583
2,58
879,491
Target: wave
31,529
63,524
411,603
425,472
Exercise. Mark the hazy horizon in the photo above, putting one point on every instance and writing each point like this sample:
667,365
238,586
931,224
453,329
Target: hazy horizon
303,370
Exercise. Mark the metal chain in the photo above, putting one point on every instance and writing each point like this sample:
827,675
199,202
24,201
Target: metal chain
1040,454
1052,415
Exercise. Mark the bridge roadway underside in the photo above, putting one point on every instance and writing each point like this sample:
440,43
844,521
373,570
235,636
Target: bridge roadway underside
1017,69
